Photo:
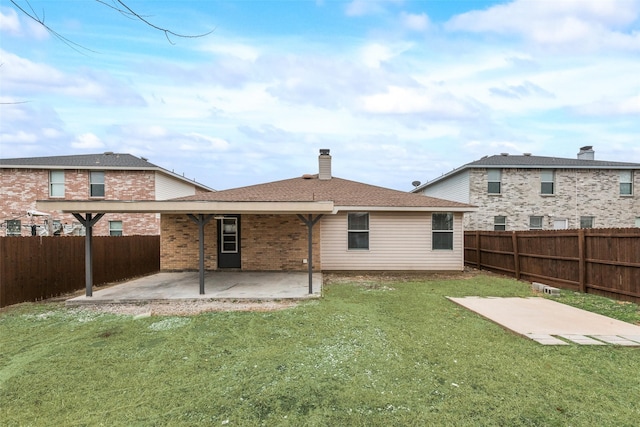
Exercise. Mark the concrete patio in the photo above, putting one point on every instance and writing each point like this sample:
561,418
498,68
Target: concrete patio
184,286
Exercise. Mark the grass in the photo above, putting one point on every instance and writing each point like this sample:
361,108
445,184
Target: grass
367,354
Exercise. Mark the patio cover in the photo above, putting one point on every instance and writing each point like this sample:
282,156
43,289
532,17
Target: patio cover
200,212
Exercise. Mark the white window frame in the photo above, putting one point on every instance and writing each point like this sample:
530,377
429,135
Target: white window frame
499,223
95,182
626,183
353,230
14,227
494,176
533,226
229,235
546,179
116,228
56,183
436,230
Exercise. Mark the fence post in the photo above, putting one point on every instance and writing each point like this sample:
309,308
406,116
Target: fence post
516,254
478,251
582,261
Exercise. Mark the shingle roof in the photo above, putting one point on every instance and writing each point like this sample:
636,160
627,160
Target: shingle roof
547,162
340,191
102,160
107,160
531,162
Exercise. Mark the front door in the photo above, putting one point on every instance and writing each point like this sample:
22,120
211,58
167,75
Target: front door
229,242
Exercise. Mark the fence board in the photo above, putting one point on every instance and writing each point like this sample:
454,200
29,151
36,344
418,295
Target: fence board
602,261
36,267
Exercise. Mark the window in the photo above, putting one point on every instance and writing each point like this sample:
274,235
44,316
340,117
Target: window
115,228
442,229
229,235
56,183
626,183
547,178
358,230
495,181
586,222
14,227
499,223
96,183
638,221
535,223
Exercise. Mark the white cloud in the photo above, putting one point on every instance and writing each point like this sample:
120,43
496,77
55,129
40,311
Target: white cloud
368,7
239,50
608,107
579,24
415,22
9,22
87,141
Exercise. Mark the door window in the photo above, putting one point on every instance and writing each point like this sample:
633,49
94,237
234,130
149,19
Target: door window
229,236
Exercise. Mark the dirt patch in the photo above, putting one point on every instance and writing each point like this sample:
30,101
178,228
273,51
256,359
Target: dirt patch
373,279
186,308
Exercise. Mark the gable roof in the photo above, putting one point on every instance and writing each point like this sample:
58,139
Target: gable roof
505,161
343,193
102,161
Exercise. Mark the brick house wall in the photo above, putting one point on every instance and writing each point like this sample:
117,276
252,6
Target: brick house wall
578,192
20,188
268,243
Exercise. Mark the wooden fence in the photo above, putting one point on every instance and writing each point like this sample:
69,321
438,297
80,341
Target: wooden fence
34,268
601,261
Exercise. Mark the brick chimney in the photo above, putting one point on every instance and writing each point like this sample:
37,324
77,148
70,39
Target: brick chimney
586,153
324,163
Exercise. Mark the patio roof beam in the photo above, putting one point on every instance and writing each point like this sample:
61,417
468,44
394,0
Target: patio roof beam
201,220
88,223
310,222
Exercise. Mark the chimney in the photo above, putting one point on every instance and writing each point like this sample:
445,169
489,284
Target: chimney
324,162
586,153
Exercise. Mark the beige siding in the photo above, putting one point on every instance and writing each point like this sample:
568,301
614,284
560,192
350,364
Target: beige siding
397,241
454,188
170,188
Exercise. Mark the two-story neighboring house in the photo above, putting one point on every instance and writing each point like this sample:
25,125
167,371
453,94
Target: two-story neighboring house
105,176
522,192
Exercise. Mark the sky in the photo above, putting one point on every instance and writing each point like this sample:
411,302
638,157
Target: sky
398,90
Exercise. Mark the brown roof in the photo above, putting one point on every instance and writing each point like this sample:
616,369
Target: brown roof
341,192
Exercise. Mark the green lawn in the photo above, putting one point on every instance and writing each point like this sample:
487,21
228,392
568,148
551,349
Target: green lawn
368,353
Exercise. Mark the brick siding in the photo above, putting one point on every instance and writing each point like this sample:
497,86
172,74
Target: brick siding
268,243
578,193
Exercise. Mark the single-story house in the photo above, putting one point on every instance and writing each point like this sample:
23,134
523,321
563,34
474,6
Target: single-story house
310,223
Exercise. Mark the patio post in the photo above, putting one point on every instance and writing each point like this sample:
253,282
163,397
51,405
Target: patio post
88,223
201,220
310,222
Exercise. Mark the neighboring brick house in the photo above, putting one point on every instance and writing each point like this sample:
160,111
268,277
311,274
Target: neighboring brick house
106,176
521,192
266,227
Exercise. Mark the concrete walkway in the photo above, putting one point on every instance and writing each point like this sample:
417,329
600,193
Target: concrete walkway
552,323
184,286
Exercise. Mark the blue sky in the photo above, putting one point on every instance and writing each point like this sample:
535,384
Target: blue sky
399,90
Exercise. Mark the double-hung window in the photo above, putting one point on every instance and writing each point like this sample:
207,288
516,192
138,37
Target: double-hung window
115,228
626,183
56,183
358,230
499,223
14,227
535,223
442,231
96,183
586,222
547,182
494,181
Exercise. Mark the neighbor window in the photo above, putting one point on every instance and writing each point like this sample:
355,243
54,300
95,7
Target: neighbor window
495,181
14,227
638,221
115,228
499,223
535,223
358,230
547,182
442,229
586,222
96,183
626,183
56,183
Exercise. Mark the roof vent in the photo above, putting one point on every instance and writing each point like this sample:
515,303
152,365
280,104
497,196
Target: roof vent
527,154
504,154
108,153
307,176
